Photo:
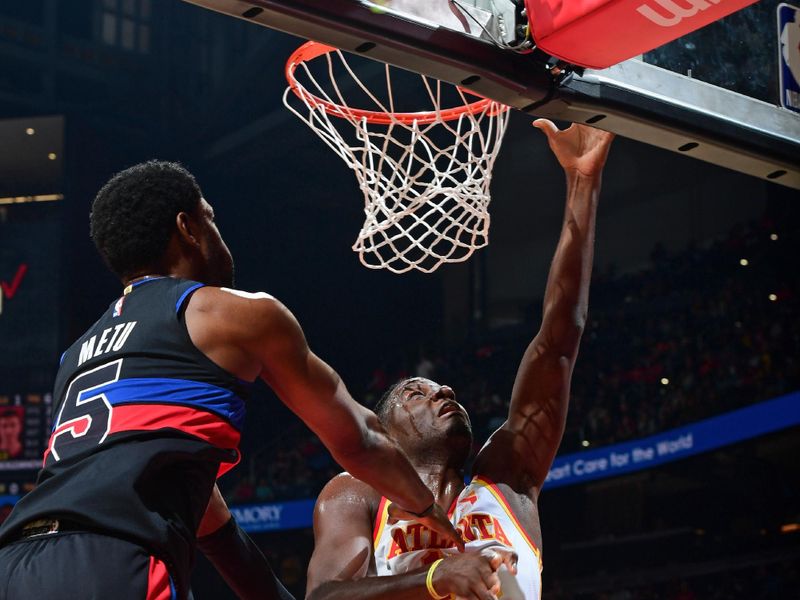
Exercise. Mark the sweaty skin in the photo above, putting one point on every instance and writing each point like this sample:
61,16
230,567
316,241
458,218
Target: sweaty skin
434,429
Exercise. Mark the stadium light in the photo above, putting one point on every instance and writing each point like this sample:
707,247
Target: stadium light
744,262
773,297
664,381
24,199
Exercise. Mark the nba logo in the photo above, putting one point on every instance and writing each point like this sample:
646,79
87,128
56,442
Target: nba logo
118,306
789,55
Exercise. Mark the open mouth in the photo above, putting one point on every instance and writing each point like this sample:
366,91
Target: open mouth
449,407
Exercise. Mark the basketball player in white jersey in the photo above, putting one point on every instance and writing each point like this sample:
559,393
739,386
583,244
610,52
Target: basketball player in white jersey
368,550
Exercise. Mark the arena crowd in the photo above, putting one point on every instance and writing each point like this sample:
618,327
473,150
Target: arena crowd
695,334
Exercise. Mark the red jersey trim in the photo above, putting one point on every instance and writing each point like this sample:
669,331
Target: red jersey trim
495,491
380,521
159,586
154,417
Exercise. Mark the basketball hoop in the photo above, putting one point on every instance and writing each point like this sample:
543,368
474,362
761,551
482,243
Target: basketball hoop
425,175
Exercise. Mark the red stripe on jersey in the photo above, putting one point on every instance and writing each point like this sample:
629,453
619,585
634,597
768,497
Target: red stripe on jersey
379,521
154,417
502,499
452,510
158,584
198,423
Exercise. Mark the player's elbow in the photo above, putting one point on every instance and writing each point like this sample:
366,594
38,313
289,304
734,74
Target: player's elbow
559,340
570,331
573,336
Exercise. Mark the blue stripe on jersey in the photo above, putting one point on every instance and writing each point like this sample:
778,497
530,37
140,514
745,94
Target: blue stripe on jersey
155,390
179,303
147,279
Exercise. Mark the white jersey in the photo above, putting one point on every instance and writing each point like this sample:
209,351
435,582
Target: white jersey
484,518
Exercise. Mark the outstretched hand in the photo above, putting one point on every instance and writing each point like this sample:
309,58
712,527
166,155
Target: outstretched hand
578,148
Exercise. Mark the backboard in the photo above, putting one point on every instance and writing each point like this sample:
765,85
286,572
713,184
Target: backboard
711,95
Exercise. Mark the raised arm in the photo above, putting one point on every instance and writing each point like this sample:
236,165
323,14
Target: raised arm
343,566
521,451
255,335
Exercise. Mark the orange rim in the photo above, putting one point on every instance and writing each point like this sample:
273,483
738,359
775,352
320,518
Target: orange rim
311,50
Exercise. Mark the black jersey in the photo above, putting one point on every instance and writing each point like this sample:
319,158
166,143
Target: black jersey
144,423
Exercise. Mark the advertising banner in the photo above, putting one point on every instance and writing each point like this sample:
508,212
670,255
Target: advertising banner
676,444
274,516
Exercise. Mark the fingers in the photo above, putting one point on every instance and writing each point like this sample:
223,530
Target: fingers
472,576
395,514
439,522
546,125
501,556
398,514
446,528
549,129
454,535
490,562
483,591
478,591
436,520
511,563
492,582
494,585
460,543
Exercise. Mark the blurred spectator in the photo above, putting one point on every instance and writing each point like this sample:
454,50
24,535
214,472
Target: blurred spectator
11,432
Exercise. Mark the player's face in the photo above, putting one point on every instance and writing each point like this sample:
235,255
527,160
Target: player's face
426,410
218,259
10,428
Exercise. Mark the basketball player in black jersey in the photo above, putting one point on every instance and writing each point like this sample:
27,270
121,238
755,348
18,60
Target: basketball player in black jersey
149,404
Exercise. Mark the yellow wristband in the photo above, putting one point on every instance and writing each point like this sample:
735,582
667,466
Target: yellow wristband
429,582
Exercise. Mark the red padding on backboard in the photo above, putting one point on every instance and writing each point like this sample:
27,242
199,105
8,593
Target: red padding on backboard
601,33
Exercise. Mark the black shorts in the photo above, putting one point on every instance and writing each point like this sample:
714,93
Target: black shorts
81,566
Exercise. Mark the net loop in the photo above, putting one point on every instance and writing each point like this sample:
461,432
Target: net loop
425,176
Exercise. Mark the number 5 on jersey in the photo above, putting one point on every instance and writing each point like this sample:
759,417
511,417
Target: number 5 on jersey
85,416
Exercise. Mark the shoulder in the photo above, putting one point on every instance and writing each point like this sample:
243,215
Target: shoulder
208,298
343,531
345,493
251,312
346,487
344,514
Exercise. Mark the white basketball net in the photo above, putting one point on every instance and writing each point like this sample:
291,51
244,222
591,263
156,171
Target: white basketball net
425,185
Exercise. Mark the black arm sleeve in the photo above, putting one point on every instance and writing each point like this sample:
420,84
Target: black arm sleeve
242,564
